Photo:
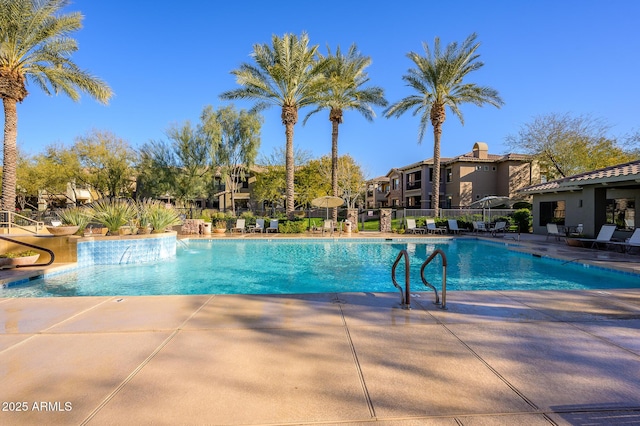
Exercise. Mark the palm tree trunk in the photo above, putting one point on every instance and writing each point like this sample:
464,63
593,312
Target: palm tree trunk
335,122
437,118
10,154
289,119
289,172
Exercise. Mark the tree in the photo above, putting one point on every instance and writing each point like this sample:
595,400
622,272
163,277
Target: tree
343,89
565,145
180,168
106,164
237,146
49,173
35,46
351,181
438,81
285,74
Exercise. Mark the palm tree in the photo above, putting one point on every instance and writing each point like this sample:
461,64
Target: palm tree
286,74
344,77
35,45
438,80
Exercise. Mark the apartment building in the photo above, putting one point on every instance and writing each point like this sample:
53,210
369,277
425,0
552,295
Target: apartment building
463,179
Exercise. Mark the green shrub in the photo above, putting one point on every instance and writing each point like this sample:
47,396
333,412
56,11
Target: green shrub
292,226
522,219
161,217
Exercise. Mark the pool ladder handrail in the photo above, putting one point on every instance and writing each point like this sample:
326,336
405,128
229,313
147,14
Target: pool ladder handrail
52,256
405,297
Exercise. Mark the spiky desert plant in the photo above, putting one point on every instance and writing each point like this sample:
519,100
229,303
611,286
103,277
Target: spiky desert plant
76,216
113,213
161,216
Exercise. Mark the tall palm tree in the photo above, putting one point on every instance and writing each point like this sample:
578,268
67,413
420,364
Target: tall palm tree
286,74
35,46
343,89
438,81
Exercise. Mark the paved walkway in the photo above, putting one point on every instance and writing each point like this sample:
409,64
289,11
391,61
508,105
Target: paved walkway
492,358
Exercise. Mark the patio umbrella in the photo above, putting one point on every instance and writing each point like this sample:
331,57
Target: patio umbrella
490,201
327,201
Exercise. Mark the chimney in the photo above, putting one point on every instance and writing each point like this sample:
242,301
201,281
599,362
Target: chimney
480,150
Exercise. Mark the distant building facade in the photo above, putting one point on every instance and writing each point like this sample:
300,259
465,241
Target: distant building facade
463,179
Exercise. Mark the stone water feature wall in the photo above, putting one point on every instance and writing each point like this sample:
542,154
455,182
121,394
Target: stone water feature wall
385,220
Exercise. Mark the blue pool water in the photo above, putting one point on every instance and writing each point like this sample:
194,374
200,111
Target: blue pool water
281,267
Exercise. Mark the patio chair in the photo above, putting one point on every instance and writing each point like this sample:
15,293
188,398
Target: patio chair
327,226
630,243
553,231
499,227
259,226
239,226
629,223
412,228
604,236
479,226
432,228
453,226
273,226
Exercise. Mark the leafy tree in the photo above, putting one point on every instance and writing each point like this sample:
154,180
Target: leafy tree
438,80
35,46
351,181
565,145
343,89
48,173
270,182
237,147
180,168
106,164
285,74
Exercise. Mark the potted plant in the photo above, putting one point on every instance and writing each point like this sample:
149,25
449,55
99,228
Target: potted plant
113,214
13,259
161,217
73,220
220,226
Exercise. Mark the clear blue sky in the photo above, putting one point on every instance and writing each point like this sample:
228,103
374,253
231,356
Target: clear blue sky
166,60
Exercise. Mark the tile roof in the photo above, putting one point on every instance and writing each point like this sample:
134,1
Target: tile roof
618,173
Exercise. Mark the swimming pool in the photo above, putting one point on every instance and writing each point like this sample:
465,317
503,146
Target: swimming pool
319,266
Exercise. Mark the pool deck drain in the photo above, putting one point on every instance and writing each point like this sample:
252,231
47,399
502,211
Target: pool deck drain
494,357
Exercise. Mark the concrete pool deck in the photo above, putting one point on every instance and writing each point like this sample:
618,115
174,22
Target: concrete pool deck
495,357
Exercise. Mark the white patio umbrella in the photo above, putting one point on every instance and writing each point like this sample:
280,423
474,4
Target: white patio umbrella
490,201
327,201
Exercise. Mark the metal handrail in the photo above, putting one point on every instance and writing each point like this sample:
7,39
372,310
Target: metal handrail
51,254
444,276
405,299
11,221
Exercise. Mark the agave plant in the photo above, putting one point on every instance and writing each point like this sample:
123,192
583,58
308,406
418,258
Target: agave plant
76,216
161,216
113,213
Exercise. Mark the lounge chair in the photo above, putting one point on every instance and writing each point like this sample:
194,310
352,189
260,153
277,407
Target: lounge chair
632,242
629,223
553,231
412,228
273,226
433,229
479,226
604,236
327,226
239,226
259,226
56,223
453,226
499,227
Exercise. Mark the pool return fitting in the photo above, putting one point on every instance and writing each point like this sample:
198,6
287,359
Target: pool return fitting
405,297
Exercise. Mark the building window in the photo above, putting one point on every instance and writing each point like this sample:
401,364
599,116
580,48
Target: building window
622,212
486,168
552,212
449,175
494,168
478,168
